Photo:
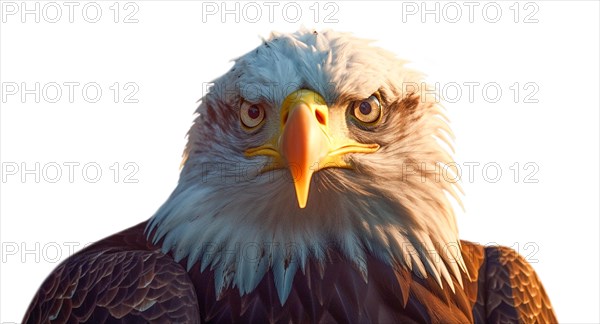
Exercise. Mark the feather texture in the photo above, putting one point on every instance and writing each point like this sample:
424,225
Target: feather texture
125,279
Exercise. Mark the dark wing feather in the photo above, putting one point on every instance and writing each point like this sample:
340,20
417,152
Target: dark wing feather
125,279
116,280
513,291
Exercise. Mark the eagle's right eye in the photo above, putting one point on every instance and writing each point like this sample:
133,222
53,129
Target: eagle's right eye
251,115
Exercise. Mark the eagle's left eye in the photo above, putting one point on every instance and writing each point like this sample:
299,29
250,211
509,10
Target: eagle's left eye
367,111
251,115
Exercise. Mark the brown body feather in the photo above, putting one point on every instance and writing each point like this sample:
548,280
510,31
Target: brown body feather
124,278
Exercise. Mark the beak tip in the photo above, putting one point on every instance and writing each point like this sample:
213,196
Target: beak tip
302,197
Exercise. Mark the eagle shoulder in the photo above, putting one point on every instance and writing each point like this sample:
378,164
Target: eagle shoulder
509,290
118,279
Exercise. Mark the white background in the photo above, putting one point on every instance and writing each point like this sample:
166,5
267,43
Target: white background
170,52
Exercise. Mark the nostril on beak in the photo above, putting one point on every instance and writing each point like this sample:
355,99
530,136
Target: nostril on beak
320,117
285,117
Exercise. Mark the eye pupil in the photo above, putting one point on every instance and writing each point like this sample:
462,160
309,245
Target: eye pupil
365,108
253,112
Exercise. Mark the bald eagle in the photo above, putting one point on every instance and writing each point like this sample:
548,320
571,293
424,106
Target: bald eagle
308,193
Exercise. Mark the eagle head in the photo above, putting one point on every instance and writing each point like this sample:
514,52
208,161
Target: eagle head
311,142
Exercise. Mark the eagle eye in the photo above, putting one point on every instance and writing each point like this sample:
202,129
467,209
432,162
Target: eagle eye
251,115
366,111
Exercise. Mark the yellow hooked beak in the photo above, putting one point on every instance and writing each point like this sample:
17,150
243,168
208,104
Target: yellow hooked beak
304,143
